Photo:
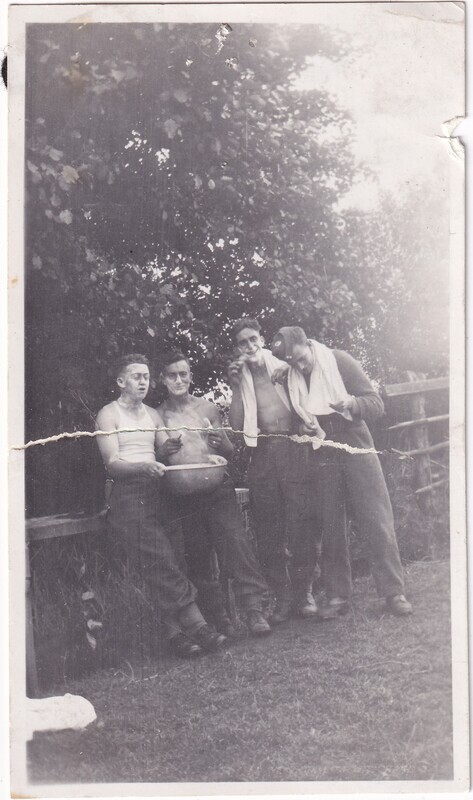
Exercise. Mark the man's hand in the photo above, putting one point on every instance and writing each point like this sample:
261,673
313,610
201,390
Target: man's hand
216,439
235,371
152,469
308,430
279,374
169,447
345,405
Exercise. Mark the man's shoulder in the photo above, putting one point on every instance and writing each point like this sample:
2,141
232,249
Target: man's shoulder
109,408
108,415
342,357
201,404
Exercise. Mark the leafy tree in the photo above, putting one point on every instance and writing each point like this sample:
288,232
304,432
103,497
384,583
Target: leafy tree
397,262
177,179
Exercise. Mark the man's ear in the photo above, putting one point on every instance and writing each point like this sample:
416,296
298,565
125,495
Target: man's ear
121,382
161,377
191,378
262,341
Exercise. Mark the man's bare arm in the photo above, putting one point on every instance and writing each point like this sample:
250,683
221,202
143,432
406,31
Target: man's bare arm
110,451
236,414
218,440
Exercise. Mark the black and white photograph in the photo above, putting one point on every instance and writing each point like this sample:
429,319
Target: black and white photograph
236,392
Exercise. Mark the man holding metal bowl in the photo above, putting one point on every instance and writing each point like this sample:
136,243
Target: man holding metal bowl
205,501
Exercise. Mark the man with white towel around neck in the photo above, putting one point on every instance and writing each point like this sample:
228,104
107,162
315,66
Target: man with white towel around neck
330,393
283,502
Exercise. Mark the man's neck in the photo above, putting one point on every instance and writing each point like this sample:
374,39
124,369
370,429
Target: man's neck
178,402
257,367
129,403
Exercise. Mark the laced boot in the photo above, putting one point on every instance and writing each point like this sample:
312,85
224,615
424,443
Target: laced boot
306,607
282,609
257,623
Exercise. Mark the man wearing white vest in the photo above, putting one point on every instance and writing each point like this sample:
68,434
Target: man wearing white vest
285,511
334,399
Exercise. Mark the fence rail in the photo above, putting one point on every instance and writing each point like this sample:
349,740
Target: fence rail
39,529
418,427
418,385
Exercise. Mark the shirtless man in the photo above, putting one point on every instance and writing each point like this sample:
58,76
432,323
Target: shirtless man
211,519
136,512
282,498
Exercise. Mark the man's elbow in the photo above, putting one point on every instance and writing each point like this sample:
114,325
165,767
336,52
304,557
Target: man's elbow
377,407
111,466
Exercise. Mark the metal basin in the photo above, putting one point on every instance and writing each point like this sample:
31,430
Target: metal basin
196,478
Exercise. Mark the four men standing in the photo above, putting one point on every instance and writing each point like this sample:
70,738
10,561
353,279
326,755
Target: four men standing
299,490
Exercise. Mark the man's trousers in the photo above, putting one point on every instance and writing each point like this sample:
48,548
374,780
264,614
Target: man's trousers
355,482
285,502
213,520
138,521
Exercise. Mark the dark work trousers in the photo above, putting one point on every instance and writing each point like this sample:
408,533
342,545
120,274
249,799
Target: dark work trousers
357,482
286,511
213,520
323,467
138,520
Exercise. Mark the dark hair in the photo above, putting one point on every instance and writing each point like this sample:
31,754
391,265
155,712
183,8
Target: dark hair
286,339
172,357
123,362
298,334
244,322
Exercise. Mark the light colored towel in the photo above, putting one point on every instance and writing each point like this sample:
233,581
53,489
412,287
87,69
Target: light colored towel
58,713
248,395
326,386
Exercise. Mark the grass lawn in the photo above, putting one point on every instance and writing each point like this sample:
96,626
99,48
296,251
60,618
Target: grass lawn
363,697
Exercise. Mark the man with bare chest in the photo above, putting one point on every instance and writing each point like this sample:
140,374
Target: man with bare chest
284,509
210,519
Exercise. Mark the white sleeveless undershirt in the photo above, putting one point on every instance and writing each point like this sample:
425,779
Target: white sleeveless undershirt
137,445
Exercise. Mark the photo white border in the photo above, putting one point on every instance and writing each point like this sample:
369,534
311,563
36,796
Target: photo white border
215,12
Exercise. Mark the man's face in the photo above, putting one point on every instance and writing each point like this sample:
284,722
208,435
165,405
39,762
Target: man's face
177,377
134,381
302,359
250,343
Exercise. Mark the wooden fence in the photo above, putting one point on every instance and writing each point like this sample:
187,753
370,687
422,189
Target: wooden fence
63,526
418,424
429,474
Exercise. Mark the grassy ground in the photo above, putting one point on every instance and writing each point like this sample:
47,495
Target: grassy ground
364,697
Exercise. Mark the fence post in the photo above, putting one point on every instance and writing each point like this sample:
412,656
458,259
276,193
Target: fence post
419,438
32,686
